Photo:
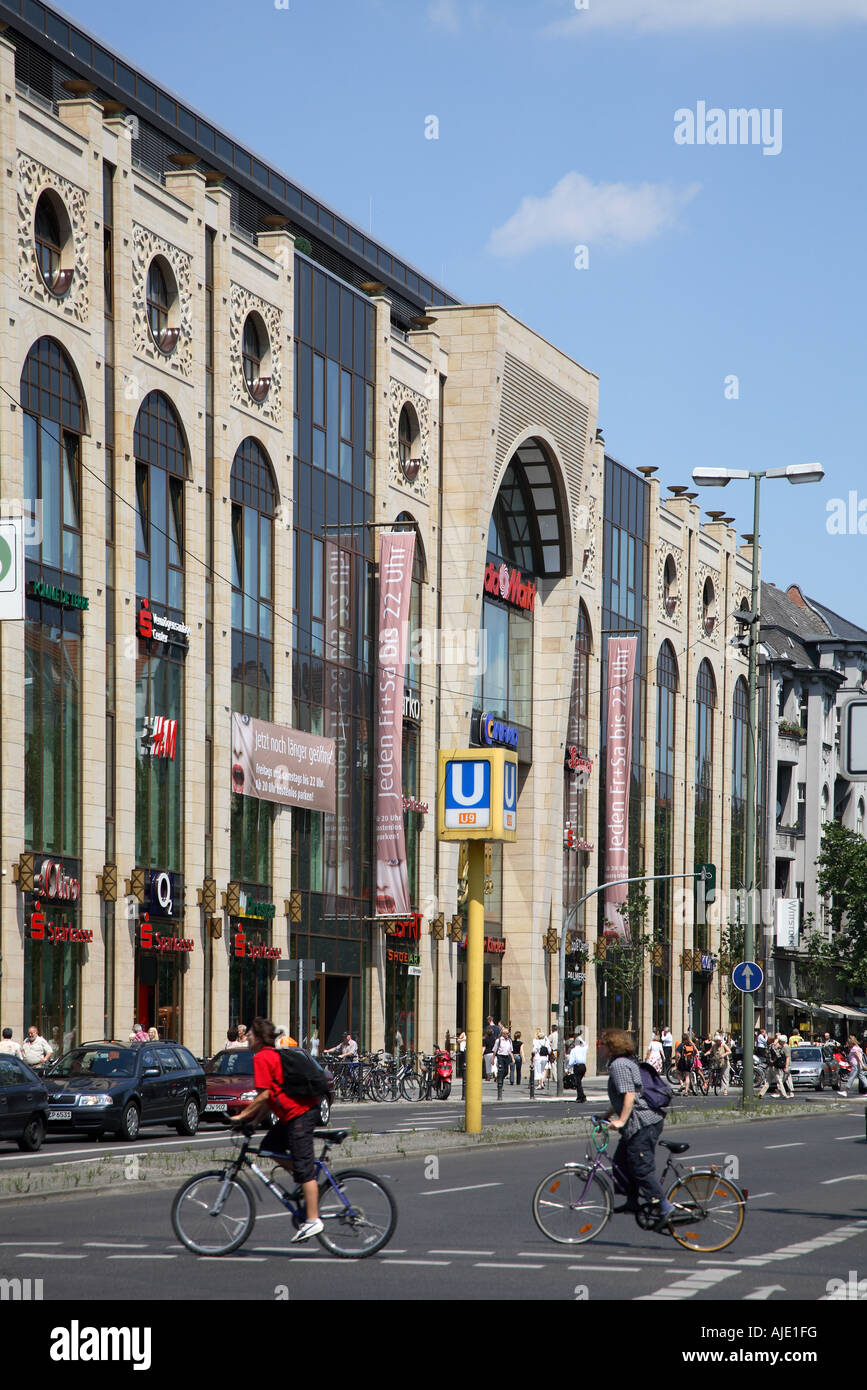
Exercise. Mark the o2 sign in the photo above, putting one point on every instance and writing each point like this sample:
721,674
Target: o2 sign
165,893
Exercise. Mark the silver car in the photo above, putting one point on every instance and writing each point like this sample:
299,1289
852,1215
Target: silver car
808,1068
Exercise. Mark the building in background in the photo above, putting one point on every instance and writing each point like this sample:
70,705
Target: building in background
813,663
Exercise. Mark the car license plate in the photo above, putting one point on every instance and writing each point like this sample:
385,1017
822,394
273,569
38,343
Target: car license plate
216,1105
60,1114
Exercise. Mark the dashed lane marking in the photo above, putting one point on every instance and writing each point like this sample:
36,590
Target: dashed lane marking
441,1191
690,1286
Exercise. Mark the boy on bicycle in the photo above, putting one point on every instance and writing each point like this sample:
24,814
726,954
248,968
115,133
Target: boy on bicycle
290,1141
640,1128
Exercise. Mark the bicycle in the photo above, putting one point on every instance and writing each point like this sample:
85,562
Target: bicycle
214,1212
574,1203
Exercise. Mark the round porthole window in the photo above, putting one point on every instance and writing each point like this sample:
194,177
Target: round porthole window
670,594
162,305
52,236
256,357
708,607
409,444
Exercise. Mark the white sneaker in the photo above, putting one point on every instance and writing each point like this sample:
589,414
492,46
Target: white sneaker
310,1228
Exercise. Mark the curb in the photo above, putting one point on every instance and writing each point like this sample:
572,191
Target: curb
154,1169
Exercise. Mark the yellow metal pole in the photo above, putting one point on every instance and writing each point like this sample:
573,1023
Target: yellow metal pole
475,976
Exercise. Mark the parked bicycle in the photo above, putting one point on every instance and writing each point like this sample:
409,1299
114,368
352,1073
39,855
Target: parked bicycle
214,1212
574,1203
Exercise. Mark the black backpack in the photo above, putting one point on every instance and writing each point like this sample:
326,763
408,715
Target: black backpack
776,1055
303,1078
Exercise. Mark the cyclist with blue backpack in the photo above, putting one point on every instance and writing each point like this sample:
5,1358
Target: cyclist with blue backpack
638,1097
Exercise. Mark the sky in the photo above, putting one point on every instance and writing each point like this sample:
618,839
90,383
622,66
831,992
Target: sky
576,161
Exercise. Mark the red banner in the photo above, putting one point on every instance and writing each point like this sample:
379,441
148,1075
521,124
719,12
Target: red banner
395,578
618,767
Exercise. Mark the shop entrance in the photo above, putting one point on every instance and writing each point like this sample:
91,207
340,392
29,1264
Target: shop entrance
250,977
335,1008
159,991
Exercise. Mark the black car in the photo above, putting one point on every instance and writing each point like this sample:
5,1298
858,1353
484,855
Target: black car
116,1087
23,1104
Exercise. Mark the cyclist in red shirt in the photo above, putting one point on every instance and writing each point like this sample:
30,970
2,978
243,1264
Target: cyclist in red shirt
290,1141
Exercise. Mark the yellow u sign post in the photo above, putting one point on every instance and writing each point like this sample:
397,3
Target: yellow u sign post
477,800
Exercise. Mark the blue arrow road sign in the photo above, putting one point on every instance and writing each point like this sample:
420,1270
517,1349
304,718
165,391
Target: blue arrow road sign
468,794
748,977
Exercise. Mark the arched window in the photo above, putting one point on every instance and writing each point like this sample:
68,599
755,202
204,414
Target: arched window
254,503
663,826
160,469
53,420
705,704
740,733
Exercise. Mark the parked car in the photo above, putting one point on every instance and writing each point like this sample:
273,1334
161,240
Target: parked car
811,1068
23,1104
230,1086
116,1087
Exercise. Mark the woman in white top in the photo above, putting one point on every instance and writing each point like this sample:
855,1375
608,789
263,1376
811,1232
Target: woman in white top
654,1054
540,1062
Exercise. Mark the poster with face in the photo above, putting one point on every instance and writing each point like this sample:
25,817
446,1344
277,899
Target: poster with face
275,763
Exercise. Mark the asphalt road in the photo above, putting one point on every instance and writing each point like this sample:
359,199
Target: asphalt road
466,1231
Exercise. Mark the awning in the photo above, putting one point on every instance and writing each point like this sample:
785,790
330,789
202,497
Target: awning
842,1011
796,1004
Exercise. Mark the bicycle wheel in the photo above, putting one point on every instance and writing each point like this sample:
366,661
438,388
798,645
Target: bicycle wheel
199,1226
359,1213
571,1205
411,1086
712,1211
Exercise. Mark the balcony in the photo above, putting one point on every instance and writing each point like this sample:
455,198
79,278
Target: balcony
791,739
785,840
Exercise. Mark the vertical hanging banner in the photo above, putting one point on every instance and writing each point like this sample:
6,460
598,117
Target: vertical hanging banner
618,768
395,578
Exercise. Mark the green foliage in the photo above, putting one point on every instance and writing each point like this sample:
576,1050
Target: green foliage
818,957
625,960
842,877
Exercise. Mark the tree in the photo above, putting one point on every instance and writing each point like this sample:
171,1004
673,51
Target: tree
731,951
817,958
625,960
842,877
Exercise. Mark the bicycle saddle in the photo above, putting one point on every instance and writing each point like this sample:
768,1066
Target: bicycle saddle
674,1146
333,1136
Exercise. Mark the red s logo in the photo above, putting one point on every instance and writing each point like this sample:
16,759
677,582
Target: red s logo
146,936
145,620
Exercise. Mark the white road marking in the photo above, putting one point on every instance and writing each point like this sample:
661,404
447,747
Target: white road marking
643,1259
29,1242
691,1285
494,1264
440,1263
47,1255
763,1293
228,1259
850,1177
113,1245
73,1163
754,1196
608,1269
148,1257
838,1137
720,1154
441,1191
465,1252
799,1144
541,1255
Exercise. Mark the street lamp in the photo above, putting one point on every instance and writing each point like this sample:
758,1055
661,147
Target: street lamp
796,473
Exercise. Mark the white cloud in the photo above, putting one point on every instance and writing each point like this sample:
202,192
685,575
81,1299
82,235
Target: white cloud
577,210
443,14
655,16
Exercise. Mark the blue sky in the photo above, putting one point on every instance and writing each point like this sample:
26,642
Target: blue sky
556,129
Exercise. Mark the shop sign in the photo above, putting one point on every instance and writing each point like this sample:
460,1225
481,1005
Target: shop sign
251,908
413,970
159,736
53,881
407,927
153,627
403,957
411,804
150,940
707,964
63,598
509,584
253,950
42,930
165,893
396,552
494,945
618,765
493,731
578,764
412,707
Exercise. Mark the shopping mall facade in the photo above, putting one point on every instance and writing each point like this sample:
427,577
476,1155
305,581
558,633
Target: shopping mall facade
217,397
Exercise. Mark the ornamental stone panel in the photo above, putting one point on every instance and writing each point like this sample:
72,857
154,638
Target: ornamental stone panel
663,550
399,396
33,179
243,303
146,245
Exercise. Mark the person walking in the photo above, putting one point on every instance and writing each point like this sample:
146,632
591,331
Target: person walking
685,1055
540,1060
490,1037
667,1041
35,1050
655,1054
8,1046
775,1070
462,1053
856,1062
577,1062
517,1059
501,1055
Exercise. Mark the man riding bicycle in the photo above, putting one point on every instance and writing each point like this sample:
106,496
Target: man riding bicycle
640,1128
290,1141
